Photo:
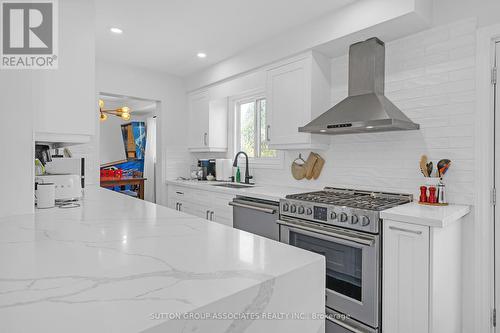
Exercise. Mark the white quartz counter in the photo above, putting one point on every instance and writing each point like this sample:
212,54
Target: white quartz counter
119,264
261,191
433,216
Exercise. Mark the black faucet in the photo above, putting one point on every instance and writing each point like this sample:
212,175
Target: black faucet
235,164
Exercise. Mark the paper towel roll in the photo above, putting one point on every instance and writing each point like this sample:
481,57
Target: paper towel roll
223,169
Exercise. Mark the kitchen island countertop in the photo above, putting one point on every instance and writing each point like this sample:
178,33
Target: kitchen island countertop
118,264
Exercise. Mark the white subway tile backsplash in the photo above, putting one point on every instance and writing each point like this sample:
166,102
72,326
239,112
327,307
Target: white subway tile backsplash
431,77
451,65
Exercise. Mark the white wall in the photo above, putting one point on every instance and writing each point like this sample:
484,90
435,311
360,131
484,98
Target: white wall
111,141
169,91
447,11
16,142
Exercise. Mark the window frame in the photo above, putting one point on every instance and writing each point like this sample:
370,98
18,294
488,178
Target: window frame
262,162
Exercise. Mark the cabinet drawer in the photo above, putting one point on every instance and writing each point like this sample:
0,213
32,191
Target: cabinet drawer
200,197
178,192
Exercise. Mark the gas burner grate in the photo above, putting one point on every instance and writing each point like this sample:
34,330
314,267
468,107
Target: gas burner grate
353,198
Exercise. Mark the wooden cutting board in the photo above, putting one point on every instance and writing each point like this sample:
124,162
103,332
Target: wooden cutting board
318,166
298,171
311,161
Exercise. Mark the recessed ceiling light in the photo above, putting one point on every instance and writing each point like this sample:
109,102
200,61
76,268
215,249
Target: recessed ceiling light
116,30
201,55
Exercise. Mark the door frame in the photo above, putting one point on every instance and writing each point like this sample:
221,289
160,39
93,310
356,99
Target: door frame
484,277
160,166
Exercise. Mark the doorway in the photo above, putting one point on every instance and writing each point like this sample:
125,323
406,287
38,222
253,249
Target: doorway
127,145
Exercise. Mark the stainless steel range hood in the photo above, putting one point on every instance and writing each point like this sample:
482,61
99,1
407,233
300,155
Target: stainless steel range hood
366,109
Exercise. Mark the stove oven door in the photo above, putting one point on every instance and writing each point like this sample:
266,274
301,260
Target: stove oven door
352,266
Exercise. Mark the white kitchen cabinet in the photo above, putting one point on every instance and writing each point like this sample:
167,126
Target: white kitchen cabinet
207,123
297,91
405,278
421,284
65,100
205,204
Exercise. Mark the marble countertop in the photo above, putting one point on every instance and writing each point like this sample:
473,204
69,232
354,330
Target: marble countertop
433,216
261,191
109,264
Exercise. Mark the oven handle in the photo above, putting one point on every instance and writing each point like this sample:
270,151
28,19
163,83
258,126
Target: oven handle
349,324
324,232
344,325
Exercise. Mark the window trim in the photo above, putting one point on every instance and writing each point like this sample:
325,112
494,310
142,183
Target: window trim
257,162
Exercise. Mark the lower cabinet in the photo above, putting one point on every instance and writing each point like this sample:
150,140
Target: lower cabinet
405,278
421,274
208,205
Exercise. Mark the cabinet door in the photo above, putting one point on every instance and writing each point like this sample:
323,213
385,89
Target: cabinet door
217,134
198,120
222,219
172,203
405,288
222,212
193,209
64,101
288,106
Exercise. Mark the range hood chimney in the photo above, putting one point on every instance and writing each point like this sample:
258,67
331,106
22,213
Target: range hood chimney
366,109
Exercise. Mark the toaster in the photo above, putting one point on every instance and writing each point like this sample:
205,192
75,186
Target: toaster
67,186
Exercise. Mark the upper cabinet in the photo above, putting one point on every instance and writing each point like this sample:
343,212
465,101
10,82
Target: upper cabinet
297,91
65,98
207,123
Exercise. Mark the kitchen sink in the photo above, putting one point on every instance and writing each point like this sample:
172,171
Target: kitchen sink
233,185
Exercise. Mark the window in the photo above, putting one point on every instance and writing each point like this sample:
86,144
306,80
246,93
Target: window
251,128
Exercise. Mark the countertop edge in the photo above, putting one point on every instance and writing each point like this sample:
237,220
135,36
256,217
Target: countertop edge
259,191
439,217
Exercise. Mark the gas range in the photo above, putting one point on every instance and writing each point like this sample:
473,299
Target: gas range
348,208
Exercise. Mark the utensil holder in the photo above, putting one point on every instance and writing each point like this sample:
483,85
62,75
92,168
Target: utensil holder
439,190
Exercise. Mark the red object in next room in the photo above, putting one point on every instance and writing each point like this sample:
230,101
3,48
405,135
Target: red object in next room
423,193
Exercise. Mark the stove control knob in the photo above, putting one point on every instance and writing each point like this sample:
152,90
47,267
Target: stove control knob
301,209
333,216
286,207
354,219
293,208
309,211
365,220
343,217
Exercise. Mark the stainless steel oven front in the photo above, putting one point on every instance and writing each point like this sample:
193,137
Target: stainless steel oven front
352,266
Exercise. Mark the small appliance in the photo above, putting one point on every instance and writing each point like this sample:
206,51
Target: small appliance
206,167
67,165
45,195
67,186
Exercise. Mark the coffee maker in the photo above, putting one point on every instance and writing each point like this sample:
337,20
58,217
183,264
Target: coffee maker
206,167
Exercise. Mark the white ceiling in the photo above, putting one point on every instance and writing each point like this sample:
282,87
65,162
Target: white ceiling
137,106
166,35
